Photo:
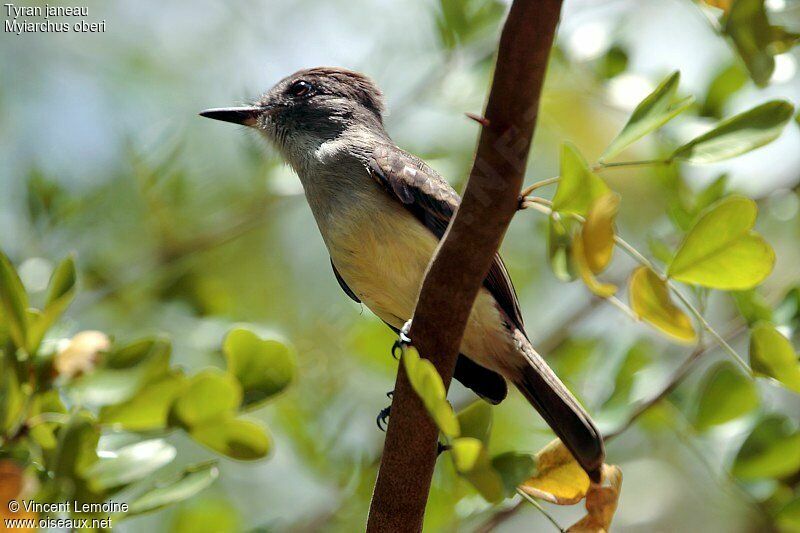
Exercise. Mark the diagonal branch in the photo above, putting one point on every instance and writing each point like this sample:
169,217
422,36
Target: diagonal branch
457,271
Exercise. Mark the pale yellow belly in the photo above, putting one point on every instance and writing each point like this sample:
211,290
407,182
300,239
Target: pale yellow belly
382,255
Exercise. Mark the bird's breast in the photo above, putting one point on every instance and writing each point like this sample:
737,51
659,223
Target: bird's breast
381,251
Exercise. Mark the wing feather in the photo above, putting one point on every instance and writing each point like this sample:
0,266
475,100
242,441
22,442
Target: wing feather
433,201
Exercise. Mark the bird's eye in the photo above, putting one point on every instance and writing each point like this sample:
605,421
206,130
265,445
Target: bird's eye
299,89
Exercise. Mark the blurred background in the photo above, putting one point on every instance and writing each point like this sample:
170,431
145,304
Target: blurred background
185,227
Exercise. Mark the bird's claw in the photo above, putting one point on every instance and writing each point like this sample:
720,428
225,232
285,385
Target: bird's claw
402,341
382,416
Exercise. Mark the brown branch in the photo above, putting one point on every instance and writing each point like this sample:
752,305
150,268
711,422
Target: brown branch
457,271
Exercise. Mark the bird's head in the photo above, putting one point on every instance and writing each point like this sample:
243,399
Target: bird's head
310,107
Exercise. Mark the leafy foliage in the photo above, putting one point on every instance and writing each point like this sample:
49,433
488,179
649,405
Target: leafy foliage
63,407
721,251
756,39
739,134
165,246
725,394
657,109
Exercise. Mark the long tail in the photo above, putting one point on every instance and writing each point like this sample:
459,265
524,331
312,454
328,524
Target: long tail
562,412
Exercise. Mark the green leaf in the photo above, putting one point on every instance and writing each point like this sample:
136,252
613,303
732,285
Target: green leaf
514,468
475,421
12,398
578,186
209,396
560,232
658,108
130,463
738,135
44,432
660,250
208,514
137,352
752,306
725,84
60,293
124,372
62,282
636,359
787,312
193,480
713,193
772,355
149,408
263,367
721,251
13,302
472,461
725,394
650,300
462,21
788,517
234,437
427,383
772,450
77,445
749,28
613,63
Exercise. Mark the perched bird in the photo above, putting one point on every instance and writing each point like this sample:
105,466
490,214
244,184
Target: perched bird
381,212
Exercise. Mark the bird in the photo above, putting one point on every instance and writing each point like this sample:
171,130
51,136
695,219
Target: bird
381,212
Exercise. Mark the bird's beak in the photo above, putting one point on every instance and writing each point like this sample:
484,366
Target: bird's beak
245,116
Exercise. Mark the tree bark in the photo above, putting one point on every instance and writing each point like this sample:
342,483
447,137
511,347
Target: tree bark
462,260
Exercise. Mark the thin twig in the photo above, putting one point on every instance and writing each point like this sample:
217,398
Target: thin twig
538,185
536,504
647,162
711,331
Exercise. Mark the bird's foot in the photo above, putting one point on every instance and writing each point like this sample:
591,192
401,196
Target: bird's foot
402,341
384,413
382,417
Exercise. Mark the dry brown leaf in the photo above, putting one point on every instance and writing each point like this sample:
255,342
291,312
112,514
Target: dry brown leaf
601,503
81,354
12,487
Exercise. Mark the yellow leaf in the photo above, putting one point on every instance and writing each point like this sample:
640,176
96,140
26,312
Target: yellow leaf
601,503
724,5
598,232
559,478
650,301
603,290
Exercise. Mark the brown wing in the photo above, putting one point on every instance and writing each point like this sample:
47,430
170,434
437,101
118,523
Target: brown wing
433,201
